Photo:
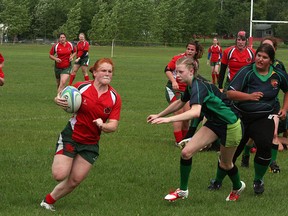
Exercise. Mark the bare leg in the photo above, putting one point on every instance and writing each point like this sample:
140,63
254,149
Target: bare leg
79,171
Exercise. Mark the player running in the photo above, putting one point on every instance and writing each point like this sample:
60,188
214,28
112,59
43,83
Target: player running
214,59
62,53
78,145
222,122
82,59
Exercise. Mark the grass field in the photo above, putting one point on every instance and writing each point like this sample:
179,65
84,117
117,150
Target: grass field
138,164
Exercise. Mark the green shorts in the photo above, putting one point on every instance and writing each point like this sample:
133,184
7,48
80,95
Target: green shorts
83,62
213,64
59,71
230,135
172,95
67,146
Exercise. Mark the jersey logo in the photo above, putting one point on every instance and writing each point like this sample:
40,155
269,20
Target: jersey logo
274,83
107,110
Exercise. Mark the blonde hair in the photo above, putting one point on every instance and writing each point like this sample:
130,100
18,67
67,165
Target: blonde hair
190,63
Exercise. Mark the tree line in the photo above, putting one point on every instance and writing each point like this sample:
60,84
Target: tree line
163,21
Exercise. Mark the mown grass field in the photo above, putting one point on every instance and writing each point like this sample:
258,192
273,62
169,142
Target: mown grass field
138,164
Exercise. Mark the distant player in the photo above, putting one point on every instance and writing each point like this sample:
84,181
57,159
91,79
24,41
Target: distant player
234,58
82,58
214,59
62,53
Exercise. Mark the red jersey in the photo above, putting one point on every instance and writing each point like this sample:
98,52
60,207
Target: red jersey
1,61
1,73
63,51
82,47
1,58
236,59
108,106
172,66
215,52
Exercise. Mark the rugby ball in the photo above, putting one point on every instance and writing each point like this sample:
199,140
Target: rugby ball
73,97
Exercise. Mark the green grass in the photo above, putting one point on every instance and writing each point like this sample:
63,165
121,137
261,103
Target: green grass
138,164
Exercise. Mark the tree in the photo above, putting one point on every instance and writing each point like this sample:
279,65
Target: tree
49,15
15,17
72,26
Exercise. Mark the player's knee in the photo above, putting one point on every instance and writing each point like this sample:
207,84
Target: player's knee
59,174
226,165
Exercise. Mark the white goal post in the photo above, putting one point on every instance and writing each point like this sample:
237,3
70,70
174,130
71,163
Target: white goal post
259,21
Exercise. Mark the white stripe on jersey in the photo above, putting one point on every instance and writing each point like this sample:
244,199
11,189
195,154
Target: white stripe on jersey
73,121
84,88
113,96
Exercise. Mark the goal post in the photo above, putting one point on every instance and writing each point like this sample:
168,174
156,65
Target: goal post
250,42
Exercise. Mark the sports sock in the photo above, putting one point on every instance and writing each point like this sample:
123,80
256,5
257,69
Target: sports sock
86,78
274,152
213,78
49,199
178,136
220,174
235,178
247,149
72,77
260,171
185,168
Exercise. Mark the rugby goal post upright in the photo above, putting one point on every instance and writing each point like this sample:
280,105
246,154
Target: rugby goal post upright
258,21
112,48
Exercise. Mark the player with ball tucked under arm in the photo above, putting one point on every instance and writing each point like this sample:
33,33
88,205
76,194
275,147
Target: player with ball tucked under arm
78,145
222,122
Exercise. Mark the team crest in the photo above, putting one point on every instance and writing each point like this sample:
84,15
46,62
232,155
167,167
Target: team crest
274,83
107,110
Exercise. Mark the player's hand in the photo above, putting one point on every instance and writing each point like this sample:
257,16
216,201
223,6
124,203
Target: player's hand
175,85
282,114
62,102
71,59
256,96
58,60
208,62
150,118
160,120
221,90
99,123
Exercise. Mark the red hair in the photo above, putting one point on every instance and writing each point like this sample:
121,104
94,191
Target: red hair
101,61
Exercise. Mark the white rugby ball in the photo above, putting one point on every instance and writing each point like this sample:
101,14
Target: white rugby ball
73,97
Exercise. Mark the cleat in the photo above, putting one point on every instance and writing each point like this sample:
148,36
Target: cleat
177,194
214,185
235,194
258,187
274,168
182,143
47,206
245,161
